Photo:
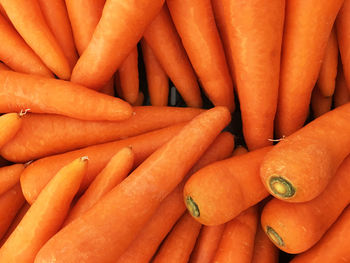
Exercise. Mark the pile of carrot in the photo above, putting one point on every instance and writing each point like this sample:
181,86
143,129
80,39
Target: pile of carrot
202,131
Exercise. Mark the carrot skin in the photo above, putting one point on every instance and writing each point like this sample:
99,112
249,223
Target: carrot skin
264,250
342,92
319,103
139,100
109,88
9,176
9,126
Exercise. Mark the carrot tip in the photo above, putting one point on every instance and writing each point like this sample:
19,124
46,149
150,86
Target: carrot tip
281,187
192,207
275,238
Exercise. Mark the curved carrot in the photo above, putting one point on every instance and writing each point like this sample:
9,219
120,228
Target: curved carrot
342,92
38,174
117,33
319,103
194,20
292,170
10,124
264,250
163,39
43,95
42,135
304,44
179,243
27,18
221,191
109,88
45,216
9,176
157,79
138,196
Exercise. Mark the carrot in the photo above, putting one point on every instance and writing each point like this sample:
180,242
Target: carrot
329,67
9,176
304,44
140,99
38,174
4,67
239,150
342,92
319,103
264,250
56,17
163,39
296,227
14,51
157,79
45,216
115,171
27,18
333,247
109,88
10,124
119,29
194,20
42,95
221,191
10,203
172,207
179,243
237,242
292,170
3,13
31,143
142,191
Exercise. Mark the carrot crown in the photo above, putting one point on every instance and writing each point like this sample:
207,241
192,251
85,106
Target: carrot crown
281,187
274,237
192,207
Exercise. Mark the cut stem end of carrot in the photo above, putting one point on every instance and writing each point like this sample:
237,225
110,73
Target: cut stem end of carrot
281,187
274,237
192,207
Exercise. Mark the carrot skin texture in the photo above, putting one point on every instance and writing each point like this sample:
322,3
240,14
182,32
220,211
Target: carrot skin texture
9,176
342,92
319,103
27,18
264,250
9,126
194,20
304,44
182,151
43,95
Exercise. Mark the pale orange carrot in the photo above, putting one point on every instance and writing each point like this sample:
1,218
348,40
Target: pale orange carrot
9,176
10,124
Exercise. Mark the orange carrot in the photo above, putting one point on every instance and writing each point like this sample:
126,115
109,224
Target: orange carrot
319,103
14,52
135,200
264,250
10,124
27,18
292,170
42,95
165,42
296,227
32,143
9,176
172,207
157,79
140,99
38,174
239,150
342,92
3,13
221,191
45,216
237,242
179,243
115,171
109,88
4,67
194,20
304,44
117,33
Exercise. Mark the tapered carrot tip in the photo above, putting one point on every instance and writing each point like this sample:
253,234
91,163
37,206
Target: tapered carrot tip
192,207
274,237
281,187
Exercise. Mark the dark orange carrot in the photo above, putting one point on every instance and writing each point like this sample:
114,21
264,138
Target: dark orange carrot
157,79
239,150
179,243
319,103
221,191
43,95
140,99
264,250
304,44
342,92
165,42
292,171
135,200
10,124
109,88
9,176
194,20
38,174
32,143
27,18
4,67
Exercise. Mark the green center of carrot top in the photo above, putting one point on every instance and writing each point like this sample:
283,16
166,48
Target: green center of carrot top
281,187
192,206
274,236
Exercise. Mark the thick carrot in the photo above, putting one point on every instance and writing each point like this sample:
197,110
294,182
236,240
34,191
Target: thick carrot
237,242
45,216
140,99
14,52
304,44
165,42
178,245
342,92
109,88
134,201
10,124
264,250
172,207
27,18
117,33
329,67
32,143
43,95
221,191
9,176
296,227
319,103
194,20
115,171
38,174
157,79
292,171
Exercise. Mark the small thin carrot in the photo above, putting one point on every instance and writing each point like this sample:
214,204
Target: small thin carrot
342,92
43,95
9,176
140,99
157,79
178,245
264,250
319,103
109,88
10,124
